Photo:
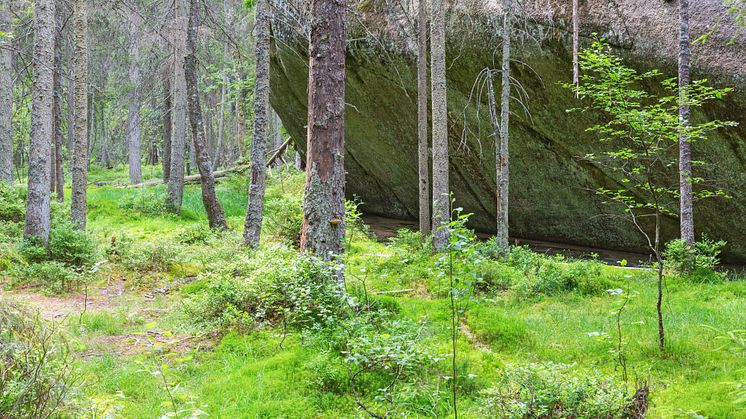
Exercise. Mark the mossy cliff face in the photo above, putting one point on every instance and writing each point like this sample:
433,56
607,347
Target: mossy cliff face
552,190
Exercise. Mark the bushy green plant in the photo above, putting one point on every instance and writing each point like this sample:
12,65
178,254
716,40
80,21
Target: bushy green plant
495,277
144,257
283,216
274,285
12,204
55,277
554,391
71,246
196,234
37,372
68,245
553,275
695,262
412,242
144,201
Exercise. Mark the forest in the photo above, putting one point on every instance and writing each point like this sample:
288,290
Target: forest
373,208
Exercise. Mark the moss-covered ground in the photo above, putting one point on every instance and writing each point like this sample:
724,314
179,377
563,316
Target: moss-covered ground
142,356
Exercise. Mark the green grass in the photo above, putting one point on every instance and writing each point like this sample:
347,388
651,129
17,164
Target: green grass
248,375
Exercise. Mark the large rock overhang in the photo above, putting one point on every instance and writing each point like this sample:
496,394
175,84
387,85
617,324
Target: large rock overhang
552,189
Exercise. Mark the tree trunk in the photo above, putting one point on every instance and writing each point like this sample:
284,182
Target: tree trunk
323,225
503,153
254,213
133,117
685,146
80,147
441,193
58,174
6,96
422,140
37,202
209,198
240,111
575,43
166,73
178,138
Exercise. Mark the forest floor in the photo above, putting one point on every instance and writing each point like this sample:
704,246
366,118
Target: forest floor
141,354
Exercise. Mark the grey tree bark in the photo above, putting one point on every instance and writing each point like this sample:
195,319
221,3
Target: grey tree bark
423,155
240,130
57,165
685,146
214,211
441,192
6,96
323,225
502,159
37,201
575,42
133,117
166,73
78,207
179,116
255,211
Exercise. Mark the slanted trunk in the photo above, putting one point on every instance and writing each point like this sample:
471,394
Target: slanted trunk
178,138
209,198
254,213
323,225
422,140
685,146
80,143
502,159
6,96
37,202
441,192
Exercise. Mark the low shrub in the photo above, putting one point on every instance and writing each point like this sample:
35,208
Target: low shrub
55,277
68,245
144,257
697,262
272,285
552,276
12,204
496,277
37,373
555,391
144,201
283,216
196,234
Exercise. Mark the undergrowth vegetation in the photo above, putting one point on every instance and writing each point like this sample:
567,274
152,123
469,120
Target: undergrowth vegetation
235,332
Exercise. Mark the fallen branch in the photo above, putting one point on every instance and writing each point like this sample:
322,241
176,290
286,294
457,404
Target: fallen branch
280,151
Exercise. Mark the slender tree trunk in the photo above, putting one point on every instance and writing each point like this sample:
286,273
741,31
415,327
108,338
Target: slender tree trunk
80,147
254,214
37,202
240,111
6,96
133,118
685,146
441,192
221,121
575,42
166,73
178,138
423,155
58,177
323,225
503,152
659,301
209,198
